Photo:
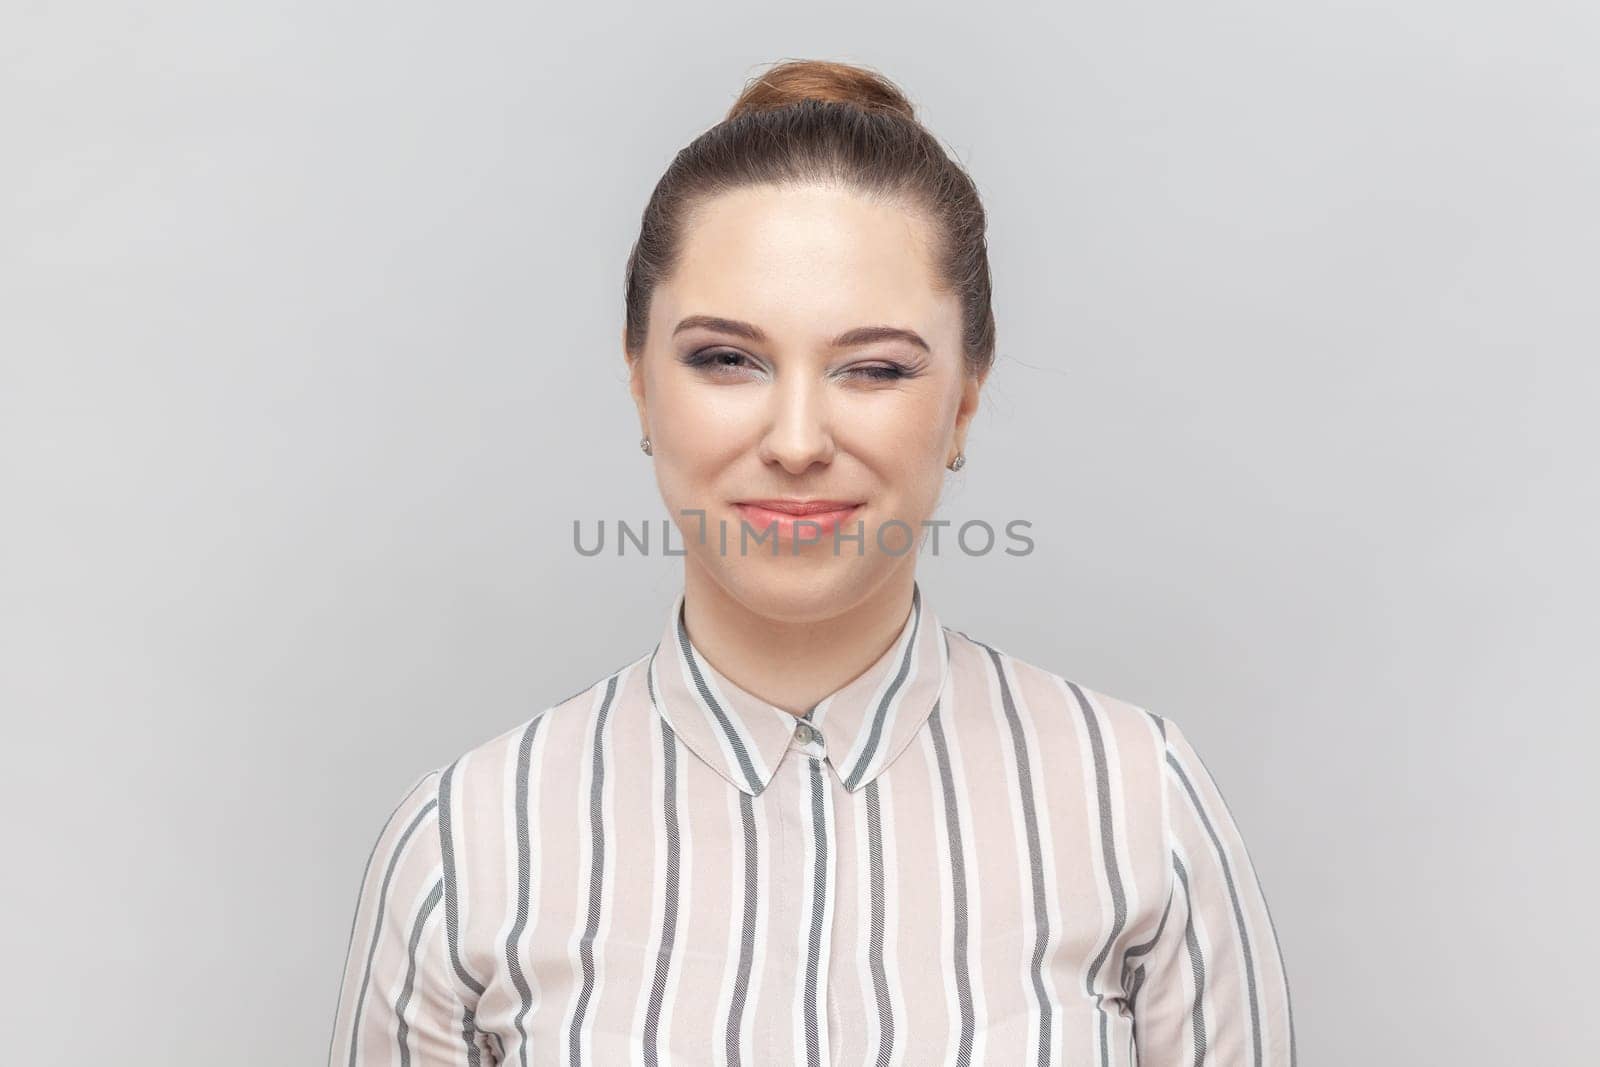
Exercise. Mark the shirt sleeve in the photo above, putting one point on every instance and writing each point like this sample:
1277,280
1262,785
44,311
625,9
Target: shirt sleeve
397,999
1211,988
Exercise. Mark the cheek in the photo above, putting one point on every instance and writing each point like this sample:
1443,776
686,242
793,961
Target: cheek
905,449
686,476
697,453
697,457
700,430
905,438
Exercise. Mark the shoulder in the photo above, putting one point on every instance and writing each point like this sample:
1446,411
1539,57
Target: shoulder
1087,749
498,763
1053,700
454,818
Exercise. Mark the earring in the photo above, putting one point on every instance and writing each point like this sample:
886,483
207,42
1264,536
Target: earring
644,444
959,462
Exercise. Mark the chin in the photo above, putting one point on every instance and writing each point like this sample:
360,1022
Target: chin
801,588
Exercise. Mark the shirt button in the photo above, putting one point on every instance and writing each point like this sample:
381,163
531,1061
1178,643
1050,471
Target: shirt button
804,733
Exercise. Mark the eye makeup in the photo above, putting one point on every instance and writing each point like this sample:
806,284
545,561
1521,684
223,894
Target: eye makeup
722,361
888,371
717,360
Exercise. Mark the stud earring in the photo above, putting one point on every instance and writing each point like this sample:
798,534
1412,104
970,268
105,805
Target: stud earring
644,444
959,462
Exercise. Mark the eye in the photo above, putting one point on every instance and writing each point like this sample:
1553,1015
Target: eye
728,361
882,372
717,360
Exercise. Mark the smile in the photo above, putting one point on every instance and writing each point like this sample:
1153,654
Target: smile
812,518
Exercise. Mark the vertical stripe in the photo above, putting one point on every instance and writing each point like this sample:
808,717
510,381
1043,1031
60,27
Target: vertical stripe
1030,822
958,890
402,1036
377,921
1271,925
1238,912
880,980
1144,947
1134,985
1113,875
524,878
669,911
747,933
366,873
1197,968
597,861
818,907
452,923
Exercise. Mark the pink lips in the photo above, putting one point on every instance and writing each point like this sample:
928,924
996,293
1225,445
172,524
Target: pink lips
815,518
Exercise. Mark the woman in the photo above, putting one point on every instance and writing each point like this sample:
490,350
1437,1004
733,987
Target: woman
813,824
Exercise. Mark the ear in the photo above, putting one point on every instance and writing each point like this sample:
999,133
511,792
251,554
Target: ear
636,382
971,386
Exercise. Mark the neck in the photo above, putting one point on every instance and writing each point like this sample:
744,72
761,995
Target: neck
792,663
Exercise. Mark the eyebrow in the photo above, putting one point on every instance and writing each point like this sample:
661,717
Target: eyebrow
861,335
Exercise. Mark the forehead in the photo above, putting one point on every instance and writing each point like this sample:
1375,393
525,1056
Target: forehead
809,258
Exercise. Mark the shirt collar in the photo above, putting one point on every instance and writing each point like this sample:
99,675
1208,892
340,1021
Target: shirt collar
864,725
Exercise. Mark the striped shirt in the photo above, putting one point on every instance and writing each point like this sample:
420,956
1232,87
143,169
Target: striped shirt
957,858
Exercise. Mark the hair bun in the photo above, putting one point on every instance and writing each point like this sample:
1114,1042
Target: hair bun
794,80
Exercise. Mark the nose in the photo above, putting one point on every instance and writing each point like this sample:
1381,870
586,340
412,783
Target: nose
798,432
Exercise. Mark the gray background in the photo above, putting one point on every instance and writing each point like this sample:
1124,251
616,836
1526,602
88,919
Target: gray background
310,358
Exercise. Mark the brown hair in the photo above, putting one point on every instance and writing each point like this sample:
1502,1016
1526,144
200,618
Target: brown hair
812,120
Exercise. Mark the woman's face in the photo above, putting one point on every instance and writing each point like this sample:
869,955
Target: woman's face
751,387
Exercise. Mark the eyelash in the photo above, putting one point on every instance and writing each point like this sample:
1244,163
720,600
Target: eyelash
876,372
